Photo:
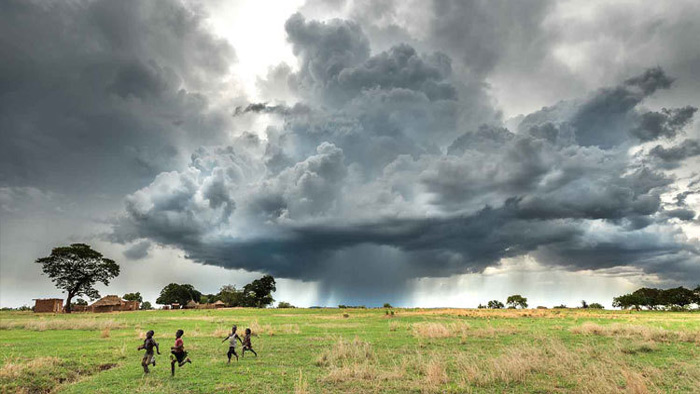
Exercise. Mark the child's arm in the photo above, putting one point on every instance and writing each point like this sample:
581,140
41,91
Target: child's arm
157,348
140,347
239,339
225,339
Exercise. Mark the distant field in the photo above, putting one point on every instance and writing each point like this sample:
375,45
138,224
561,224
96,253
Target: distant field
357,350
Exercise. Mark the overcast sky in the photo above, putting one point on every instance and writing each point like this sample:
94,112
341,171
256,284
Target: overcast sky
421,153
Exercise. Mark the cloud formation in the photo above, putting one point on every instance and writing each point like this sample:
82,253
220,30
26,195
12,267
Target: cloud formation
382,156
380,177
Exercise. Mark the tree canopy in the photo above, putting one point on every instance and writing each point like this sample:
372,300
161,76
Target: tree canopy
517,300
652,298
258,293
495,304
76,269
176,293
133,297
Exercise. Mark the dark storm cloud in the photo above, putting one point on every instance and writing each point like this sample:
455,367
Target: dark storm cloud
667,123
382,177
138,250
672,156
381,174
94,90
479,33
604,119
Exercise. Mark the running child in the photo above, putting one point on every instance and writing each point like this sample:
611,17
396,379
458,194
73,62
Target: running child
246,343
232,343
149,358
178,353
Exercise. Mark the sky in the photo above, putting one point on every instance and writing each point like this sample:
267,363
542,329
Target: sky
421,153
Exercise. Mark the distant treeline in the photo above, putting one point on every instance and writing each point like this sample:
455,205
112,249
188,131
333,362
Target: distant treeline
678,298
257,294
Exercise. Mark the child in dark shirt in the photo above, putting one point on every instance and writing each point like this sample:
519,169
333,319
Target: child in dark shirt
149,358
246,343
178,353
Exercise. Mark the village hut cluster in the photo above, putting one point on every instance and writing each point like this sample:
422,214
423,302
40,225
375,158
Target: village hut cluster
110,303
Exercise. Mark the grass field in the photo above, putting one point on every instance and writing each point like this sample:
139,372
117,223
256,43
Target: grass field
357,350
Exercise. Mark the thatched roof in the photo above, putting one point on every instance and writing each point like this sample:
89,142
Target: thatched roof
192,303
219,302
109,300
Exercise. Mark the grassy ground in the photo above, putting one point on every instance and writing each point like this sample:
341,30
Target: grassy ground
357,350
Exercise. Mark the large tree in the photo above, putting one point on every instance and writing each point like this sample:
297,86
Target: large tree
176,293
76,269
517,300
258,293
649,297
679,296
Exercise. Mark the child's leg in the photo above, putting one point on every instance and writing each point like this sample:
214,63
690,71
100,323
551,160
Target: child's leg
229,354
251,349
172,368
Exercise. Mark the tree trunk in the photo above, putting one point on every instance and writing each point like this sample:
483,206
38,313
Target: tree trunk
68,300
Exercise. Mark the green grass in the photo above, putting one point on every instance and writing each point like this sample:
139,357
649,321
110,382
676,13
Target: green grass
303,350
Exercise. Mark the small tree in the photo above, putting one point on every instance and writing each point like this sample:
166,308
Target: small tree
76,269
495,304
387,305
284,305
176,293
595,305
133,297
584,304
517,300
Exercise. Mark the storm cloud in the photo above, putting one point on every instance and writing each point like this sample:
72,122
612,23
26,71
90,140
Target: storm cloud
381,177
393,148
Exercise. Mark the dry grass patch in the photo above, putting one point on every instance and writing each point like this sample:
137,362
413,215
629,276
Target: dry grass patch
440,330
626,330
347,352
62,324
301,386
15,368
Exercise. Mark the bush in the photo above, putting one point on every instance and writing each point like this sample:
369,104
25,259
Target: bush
284,305
596,305
387,305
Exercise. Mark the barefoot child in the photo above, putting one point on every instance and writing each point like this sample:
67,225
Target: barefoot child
149,343
178,353
246,343
232,343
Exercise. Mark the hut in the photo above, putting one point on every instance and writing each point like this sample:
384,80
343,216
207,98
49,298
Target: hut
48,305
191,305
113,303
79,308
174,305
130,306
219,304
110,303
